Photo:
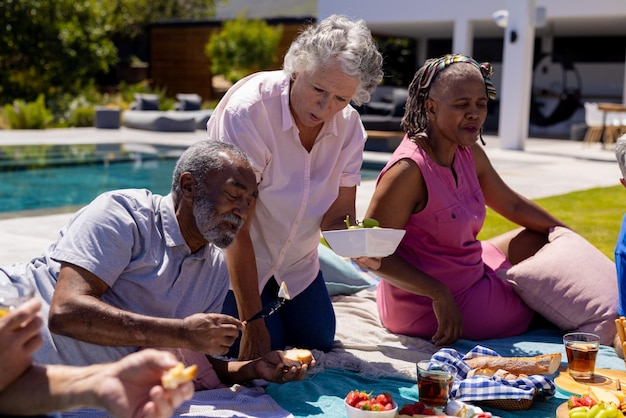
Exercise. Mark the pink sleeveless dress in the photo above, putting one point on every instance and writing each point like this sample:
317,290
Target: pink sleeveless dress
441,241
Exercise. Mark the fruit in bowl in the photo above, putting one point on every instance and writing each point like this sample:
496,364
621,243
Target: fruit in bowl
361,404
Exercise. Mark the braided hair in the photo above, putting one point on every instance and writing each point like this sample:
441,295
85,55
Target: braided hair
415,119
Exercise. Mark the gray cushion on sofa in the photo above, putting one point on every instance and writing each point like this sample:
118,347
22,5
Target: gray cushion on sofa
187,102
145,101
155,120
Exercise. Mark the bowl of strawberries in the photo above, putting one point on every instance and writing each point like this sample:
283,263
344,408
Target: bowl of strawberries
361,404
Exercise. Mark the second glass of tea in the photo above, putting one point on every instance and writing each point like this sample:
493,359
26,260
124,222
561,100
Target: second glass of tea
581,349
434,382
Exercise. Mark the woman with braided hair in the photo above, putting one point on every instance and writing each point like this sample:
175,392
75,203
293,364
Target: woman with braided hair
441,284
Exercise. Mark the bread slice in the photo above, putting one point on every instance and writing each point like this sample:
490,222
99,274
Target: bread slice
178,375
543,364
299,354
503,374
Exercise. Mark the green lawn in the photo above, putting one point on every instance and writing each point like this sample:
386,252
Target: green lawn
596,214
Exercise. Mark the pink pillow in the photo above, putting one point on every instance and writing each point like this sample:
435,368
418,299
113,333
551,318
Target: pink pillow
571,283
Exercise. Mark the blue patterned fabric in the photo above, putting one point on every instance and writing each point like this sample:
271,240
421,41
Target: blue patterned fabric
479,388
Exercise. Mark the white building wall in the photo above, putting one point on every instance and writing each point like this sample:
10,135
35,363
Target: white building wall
449,10
458,19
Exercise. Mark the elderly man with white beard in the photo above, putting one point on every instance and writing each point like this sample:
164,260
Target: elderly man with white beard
134,269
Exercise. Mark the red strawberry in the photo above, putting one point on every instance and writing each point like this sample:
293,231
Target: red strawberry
384,398
573,402
420,407
375,406
365,405
587,401
412,409
355,397
408,409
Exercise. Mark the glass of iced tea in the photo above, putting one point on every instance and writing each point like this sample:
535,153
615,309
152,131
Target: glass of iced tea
13,295
434,382
581,349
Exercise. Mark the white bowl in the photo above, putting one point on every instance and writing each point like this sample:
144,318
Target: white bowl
361,413
367,242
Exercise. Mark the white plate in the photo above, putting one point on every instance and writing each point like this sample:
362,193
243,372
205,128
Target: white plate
367,242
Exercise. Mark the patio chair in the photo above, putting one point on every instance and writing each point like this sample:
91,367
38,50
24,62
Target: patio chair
594,118
615,126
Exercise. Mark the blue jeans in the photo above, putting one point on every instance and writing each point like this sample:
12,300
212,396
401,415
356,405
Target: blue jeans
306,321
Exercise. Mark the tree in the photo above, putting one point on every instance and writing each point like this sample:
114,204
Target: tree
57,46
47,46
130,17
242,47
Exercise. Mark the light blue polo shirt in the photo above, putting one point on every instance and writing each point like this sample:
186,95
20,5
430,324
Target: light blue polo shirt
131,240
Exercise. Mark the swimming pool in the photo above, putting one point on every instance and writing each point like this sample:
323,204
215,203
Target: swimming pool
76,185
70,185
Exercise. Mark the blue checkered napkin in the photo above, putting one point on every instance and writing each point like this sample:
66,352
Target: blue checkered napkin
481,388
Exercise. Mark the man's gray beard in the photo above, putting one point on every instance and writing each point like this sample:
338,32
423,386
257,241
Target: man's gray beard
207,221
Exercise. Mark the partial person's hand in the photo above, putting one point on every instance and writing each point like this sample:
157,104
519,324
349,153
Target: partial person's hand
255,341
19,339
449,318
368,263
131,387
274,367
211,333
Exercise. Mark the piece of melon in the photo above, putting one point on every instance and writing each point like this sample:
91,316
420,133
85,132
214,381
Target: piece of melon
603,395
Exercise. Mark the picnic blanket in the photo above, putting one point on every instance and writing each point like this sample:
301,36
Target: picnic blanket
368,357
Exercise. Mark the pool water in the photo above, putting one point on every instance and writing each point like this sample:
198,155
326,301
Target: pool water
77,185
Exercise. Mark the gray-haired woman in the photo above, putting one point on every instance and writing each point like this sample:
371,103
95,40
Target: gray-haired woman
306,146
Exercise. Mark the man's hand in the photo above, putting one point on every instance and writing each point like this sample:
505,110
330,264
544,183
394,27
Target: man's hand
211,333
19,339
131,387
255,341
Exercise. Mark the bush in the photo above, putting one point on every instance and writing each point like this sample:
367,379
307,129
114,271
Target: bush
71,110
26,115
243,47
80,111
82,116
